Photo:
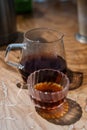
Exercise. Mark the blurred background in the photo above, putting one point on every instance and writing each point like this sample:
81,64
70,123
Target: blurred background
22,15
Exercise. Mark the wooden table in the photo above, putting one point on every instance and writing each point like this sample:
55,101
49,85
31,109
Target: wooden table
16,111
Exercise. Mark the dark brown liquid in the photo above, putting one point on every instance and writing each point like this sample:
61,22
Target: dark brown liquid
35,63
47,87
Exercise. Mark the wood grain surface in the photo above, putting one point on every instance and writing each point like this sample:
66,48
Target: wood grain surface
16,110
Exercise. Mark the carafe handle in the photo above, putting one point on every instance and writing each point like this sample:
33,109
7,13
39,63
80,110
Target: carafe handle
10,47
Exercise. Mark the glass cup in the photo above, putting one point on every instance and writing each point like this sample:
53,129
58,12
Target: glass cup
42,48
48,89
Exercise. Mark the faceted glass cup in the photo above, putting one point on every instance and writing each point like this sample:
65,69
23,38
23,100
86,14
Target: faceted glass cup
45,88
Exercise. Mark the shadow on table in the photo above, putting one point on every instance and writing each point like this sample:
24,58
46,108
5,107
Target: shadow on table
74,111
76,79
73,115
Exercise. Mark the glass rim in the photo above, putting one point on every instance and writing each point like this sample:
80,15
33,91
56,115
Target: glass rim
52,93
43,28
